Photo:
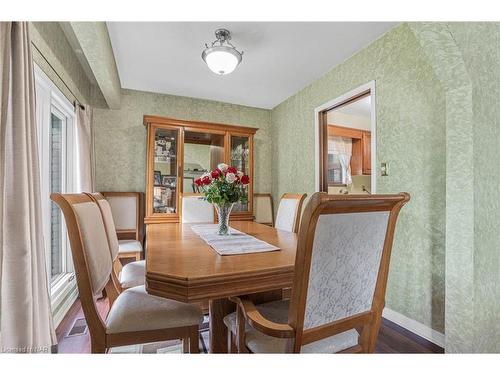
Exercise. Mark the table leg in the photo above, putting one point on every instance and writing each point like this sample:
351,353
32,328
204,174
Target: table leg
218,309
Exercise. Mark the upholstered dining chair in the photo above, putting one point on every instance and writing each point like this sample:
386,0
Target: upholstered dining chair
131,274
196,210
128,216
289,210
263,208
338,292
134,317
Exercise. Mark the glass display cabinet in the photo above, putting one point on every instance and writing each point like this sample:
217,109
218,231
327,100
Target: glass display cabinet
180,151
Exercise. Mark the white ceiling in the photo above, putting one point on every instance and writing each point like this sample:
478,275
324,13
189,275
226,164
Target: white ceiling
280,58
360,107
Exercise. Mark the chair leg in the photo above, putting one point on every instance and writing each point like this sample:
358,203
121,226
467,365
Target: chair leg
194,339
97,347
137,256
231,345
185,345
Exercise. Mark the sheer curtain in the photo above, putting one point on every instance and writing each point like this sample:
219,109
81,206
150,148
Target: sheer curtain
85,145
342,147
25,315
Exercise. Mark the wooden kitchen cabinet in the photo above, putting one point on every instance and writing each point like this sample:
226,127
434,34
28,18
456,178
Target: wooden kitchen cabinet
367,152
361,147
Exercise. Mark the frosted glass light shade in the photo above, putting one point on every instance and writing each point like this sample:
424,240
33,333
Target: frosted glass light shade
221,60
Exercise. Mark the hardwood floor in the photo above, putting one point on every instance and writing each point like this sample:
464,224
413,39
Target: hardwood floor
391,339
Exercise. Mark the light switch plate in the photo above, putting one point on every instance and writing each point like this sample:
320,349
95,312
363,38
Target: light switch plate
384,169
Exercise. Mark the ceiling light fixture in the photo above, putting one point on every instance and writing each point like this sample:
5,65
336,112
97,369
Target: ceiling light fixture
221,59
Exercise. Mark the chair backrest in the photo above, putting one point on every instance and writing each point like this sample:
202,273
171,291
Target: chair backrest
289,210
196,210
342,265
128,213
263,208
90,251
109,223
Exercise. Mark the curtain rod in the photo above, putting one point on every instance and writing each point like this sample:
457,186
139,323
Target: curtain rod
76,101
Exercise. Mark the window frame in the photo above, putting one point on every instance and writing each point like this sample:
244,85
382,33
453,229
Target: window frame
49,99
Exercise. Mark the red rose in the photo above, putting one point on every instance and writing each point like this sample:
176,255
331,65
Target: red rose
206,180
215,173
245,180
232,170
198,182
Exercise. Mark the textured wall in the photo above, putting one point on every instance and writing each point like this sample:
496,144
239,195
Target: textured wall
479,45
446,58
410,137
93,39
49,38
120,136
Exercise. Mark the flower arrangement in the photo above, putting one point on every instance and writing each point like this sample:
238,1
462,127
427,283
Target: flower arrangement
223,187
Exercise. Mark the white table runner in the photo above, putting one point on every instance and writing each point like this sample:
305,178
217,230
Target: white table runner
235,243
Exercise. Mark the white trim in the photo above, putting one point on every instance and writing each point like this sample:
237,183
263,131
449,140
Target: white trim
49,99
65,306
417,328
370,86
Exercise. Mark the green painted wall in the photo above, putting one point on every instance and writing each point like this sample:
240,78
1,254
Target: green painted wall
120,136
410,137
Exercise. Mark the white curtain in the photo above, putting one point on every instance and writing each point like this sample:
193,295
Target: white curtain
85,145
25,315
342,147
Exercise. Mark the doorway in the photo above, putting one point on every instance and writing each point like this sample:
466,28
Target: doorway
346,142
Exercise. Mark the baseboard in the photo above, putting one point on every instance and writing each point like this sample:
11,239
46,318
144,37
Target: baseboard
64,307
416,327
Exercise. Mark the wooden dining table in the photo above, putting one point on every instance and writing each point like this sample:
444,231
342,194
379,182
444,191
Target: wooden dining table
182,266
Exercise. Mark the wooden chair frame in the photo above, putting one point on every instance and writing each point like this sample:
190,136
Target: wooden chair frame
100,340
298,209
272,206
368,322
136,233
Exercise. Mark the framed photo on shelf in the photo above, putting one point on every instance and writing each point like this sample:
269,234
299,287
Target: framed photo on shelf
168,181
157,178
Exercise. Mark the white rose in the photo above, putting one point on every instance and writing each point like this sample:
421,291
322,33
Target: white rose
230,177
222,167
240,174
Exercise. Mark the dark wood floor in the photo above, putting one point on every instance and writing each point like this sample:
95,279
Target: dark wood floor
391,339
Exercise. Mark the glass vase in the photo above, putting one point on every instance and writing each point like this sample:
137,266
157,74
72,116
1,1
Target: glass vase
223,212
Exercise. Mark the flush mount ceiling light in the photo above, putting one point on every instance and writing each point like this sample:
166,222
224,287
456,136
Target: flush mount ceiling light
221,57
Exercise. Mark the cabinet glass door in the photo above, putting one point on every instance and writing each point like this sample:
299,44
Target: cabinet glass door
165,173
203,152
240,158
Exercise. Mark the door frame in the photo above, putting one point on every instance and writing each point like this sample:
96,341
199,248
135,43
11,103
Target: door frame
319,115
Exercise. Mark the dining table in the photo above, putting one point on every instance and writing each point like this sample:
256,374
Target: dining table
181,266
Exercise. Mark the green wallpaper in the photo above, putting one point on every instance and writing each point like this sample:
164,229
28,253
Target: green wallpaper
50,39
479,45
410,137
120,136
446,58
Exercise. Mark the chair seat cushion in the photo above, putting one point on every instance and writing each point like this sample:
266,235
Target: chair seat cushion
136,310
133,274
277,311
129,246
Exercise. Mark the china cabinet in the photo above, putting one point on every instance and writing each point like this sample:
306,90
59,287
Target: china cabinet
179,151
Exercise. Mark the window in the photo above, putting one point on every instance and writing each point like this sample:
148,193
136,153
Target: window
339,160
335,171
57,153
